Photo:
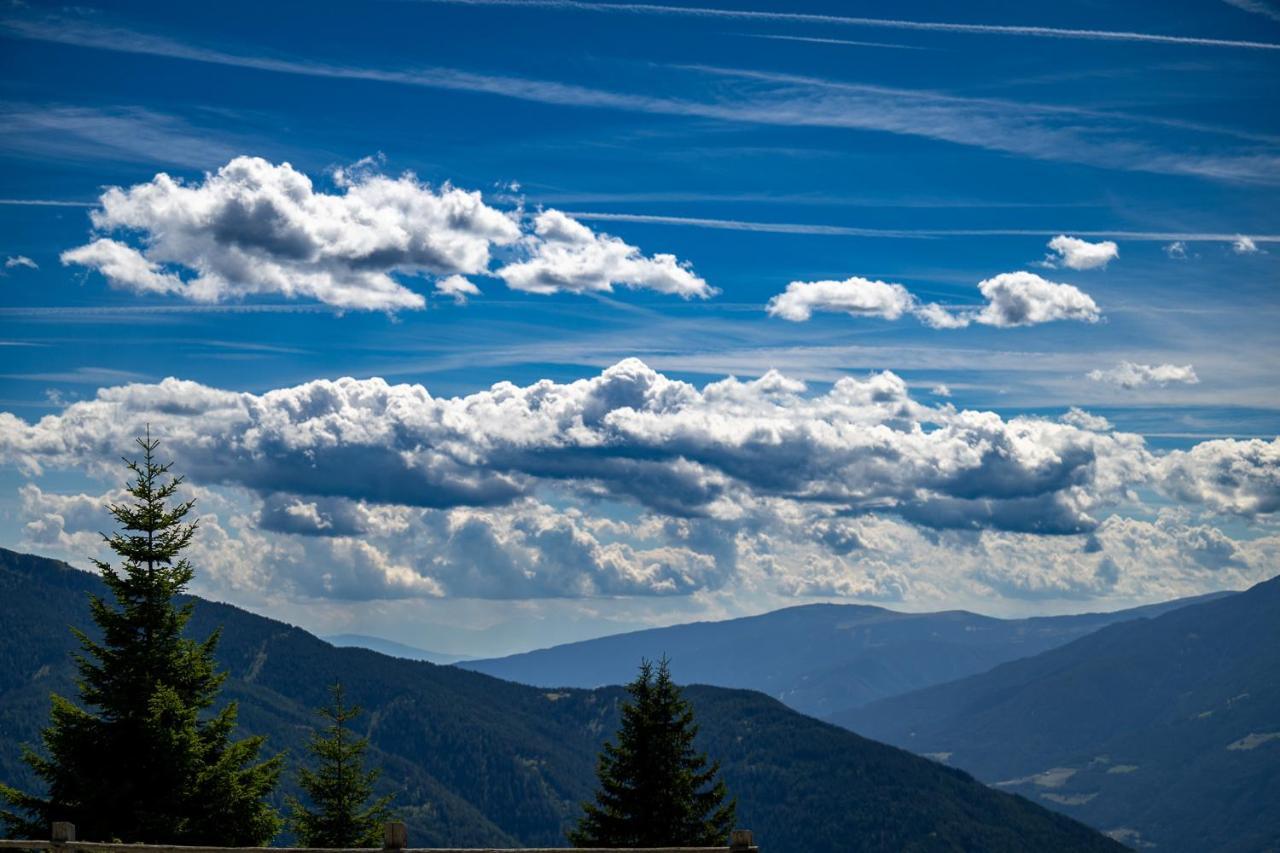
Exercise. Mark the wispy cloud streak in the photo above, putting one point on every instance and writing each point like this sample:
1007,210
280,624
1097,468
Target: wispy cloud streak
44,202
841,42
1034,131
1257,7
884,23
911,233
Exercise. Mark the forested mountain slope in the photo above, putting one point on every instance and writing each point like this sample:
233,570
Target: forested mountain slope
478,761
1169,727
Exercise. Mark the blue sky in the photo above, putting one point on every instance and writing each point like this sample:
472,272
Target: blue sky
911,156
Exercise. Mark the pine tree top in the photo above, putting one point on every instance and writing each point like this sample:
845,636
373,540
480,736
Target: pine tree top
141,758
655,788
343,811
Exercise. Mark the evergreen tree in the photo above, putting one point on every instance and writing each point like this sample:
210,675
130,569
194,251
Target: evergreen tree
655,789
339,788
148,762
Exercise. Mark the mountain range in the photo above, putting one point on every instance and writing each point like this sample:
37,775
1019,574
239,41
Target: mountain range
392,649
820,659
476,761
1164,730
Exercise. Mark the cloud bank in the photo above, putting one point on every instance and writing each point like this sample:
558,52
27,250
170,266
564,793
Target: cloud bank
634,435
857,490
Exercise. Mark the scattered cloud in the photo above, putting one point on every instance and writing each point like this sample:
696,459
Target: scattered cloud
1176,250
565,256
1228,476
940,390
255,228
1013,299
1130,375
1243,245
123,266
1078,254
1026,299
857,297
458,287
17,261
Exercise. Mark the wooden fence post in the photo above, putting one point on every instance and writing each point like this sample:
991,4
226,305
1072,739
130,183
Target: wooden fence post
395,836
741,841
62,832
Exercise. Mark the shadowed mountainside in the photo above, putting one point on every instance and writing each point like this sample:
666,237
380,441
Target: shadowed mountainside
1168,728
477,761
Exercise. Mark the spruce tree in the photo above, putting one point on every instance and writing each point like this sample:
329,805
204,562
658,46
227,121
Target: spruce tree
655,789
145,759
339,787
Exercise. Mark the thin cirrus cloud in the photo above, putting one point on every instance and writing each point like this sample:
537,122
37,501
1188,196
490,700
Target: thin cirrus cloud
121,134
1257,7
1030,130
16,261
1013,299
885,23
1130,375
910,233
257,228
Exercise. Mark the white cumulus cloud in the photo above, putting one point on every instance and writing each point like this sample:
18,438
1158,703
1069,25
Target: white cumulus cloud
1013,299
858,297
255,228
1026,299
459,287
1077,254
1227,475
566,256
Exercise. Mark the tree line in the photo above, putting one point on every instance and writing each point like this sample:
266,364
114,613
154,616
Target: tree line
144,757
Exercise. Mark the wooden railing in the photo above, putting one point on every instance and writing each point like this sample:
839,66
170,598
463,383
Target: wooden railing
395,840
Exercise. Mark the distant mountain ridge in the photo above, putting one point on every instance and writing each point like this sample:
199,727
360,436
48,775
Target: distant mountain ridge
391,648
818,658
1165,730
479,762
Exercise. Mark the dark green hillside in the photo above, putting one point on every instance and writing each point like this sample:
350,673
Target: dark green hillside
1166,727
477,761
